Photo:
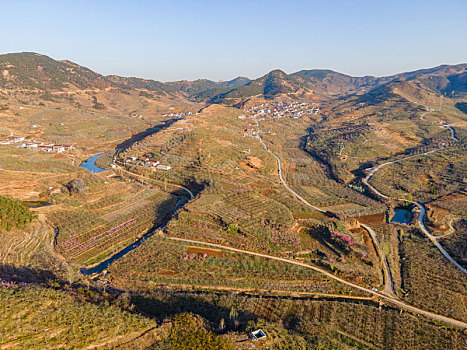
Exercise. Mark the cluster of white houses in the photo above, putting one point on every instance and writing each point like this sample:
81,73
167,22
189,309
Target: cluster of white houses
39,146
46,147
12,139
146,162
177,114
279,109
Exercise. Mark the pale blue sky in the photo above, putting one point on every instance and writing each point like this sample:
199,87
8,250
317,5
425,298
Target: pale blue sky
173,40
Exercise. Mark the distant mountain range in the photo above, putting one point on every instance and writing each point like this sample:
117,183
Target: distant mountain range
447,80
32,71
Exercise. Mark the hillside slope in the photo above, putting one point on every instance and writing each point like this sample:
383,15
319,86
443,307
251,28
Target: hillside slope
33,71
323,84
29,70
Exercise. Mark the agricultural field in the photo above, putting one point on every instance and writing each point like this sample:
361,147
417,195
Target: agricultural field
333,246
164,262
18,159
208,222
27,174
308,173
37,317
317,323
425,178
347,144
88,132
428,281
241,203
89,226
30,246
456,242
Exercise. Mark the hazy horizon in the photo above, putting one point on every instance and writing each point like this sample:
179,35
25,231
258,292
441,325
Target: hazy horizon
168,41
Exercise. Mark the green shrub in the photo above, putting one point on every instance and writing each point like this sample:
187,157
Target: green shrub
13,214
189,332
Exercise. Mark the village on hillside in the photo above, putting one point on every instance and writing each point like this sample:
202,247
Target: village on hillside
39,146
275,110
279,110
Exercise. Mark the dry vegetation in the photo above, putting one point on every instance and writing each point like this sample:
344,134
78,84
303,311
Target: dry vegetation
91,225
428,281
160,262
251,209
239,202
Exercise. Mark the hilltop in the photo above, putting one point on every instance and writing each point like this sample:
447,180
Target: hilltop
325,84
33,71
29,70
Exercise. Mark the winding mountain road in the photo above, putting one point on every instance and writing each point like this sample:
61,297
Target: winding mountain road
281,176
451,228
421,216
453,133
383,296
387,298
387,277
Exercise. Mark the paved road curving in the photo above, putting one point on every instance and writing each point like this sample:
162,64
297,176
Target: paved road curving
303,200
451,228
388,283
382,296
453,133
386,297
421,216
388,292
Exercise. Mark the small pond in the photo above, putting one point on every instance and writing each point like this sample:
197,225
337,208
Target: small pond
35,204
90,165
401,216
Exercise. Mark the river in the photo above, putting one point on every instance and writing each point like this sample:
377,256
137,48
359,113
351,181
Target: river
106,263
90,165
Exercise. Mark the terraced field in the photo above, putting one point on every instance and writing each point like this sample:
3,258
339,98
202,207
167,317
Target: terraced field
160,262
90,228
27,321
245,206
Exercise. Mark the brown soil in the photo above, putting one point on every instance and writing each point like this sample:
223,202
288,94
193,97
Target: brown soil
458,196
310,215
292,167
372,219
252,163
358,230
167,273
268,192
210,252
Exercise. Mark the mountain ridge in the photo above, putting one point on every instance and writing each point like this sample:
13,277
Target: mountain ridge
29,70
